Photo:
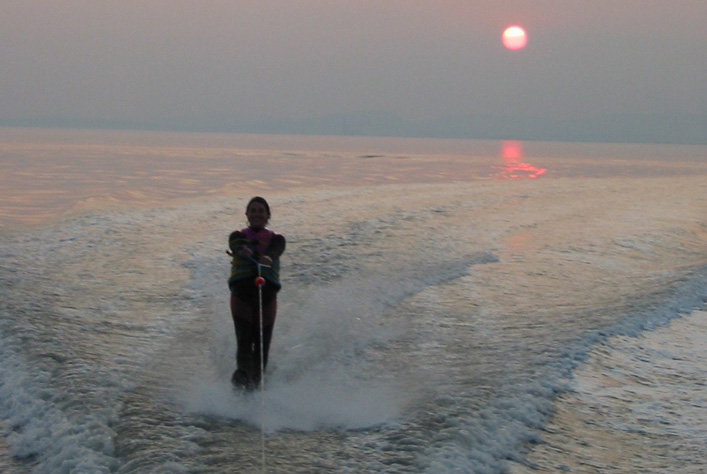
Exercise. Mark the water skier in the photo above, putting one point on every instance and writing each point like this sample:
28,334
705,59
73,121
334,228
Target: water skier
254,249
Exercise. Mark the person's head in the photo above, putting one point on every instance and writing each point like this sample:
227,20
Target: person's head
258,212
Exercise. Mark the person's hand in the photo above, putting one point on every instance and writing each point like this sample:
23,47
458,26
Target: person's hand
245,252
265,260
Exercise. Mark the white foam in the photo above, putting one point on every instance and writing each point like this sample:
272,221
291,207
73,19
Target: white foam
645,394
42,431
317,377
326,370
313,402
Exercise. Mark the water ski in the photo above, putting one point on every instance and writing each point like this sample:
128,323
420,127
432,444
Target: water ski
242,381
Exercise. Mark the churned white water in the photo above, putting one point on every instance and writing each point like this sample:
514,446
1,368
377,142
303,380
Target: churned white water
637,405
430,320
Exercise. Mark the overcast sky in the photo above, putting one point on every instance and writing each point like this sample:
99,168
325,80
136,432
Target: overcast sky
592,69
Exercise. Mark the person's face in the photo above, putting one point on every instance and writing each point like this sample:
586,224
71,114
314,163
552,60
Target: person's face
257,215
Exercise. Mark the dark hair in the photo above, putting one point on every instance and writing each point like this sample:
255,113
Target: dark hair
261,201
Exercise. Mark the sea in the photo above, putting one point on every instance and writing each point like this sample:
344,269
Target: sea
448,306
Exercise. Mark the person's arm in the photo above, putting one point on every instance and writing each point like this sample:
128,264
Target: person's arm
274,250
276,247
238,245
236,241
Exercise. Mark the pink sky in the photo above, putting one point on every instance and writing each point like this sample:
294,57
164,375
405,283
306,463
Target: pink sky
182,64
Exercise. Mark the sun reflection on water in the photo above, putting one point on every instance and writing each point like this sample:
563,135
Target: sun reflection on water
513,165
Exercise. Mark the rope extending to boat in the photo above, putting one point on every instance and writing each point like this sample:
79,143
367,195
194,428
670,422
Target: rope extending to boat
260,282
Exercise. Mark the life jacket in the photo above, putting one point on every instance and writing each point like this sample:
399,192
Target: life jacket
258,243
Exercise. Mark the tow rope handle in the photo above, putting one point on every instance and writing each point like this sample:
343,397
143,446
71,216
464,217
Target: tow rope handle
259,281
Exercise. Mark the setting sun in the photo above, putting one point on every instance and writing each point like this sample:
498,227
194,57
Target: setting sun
514,38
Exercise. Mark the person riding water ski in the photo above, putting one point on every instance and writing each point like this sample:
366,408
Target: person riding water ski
253,247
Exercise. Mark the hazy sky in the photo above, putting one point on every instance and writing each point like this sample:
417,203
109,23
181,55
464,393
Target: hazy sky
631,67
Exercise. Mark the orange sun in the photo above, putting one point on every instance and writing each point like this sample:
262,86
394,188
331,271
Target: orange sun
514,38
